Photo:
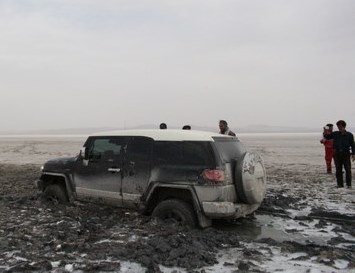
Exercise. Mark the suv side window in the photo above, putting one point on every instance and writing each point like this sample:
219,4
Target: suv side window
196,153
105,148
168,152
140,148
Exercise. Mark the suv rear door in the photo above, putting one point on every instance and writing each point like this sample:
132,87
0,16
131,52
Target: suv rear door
98,175
136,169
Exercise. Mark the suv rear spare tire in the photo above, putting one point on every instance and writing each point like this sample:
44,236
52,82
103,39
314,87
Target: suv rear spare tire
175,211
56,194
250,179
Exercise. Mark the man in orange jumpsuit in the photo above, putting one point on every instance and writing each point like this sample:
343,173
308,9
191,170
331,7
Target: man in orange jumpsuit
328,145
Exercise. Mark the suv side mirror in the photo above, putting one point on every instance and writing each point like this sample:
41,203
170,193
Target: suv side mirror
83,156
82,153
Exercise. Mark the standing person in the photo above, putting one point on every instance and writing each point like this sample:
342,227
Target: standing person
328,146
163,126
224,129
343,143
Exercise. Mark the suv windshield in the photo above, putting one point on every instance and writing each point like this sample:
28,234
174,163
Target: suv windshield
229,149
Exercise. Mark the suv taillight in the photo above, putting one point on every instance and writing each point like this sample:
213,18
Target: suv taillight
215,176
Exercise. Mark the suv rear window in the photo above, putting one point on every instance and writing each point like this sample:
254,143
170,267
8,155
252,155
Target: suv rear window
184,153
229,149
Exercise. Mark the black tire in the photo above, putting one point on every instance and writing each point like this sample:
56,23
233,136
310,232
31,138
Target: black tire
176,212
56,194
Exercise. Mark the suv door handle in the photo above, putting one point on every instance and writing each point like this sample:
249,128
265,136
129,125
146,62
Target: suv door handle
114,170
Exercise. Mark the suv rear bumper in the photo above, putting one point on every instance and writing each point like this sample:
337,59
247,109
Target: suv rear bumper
227,209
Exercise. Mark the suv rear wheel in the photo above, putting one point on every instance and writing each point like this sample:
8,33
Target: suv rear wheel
175,211
56,194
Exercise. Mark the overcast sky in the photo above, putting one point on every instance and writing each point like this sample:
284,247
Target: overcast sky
87,63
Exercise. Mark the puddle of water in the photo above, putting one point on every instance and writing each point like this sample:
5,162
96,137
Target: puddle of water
278,229
274,228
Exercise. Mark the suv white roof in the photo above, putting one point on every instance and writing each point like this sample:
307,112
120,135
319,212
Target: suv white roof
166,135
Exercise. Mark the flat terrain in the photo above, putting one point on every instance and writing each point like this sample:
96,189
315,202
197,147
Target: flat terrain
305,224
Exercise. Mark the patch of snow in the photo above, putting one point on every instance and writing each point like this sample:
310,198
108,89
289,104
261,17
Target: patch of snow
69,267
302,212
277,261
20,259
341,264
103,241
305,230
133,238
10,254
297,255
347,237
128,267
55,264
109,241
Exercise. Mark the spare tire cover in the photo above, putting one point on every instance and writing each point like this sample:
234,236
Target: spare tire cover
250,179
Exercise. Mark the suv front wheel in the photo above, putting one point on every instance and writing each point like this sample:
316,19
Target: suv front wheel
175,211
56,194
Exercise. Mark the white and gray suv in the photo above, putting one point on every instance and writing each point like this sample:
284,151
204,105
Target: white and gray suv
186,176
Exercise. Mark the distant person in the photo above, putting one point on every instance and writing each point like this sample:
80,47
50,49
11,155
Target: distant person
328,146
163,126
224,129
343,143
186,127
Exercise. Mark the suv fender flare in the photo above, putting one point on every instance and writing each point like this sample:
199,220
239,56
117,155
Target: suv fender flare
201,218
67,181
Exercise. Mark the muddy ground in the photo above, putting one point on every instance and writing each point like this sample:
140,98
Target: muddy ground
303,223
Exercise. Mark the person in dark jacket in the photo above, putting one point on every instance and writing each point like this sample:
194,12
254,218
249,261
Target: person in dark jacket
343,143
224,129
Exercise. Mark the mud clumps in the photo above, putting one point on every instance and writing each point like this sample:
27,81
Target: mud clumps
191,249
39,236
36,232
81,233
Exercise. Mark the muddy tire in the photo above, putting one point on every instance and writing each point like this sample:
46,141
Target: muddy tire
175,211
56,194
